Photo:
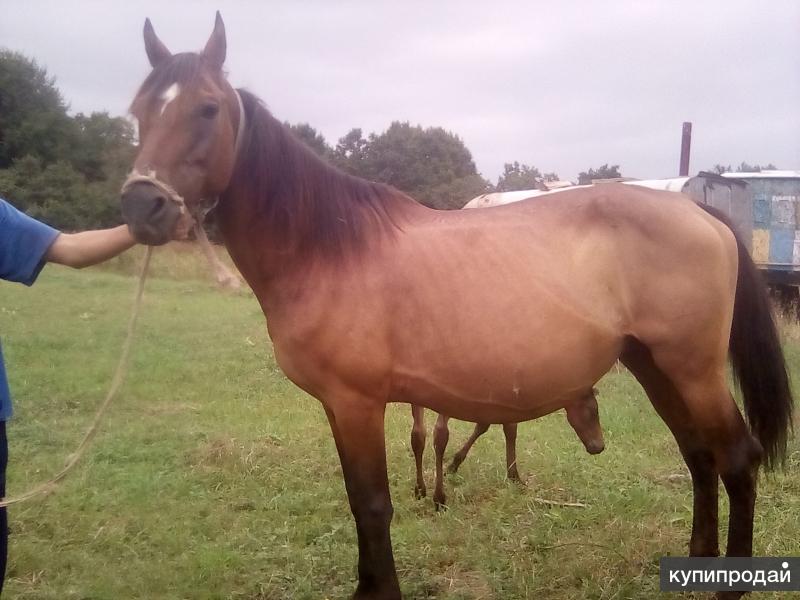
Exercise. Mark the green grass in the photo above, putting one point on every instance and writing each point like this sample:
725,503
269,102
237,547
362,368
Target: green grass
214,477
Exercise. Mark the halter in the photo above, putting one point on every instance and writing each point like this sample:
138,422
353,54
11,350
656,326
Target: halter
169,192
240,130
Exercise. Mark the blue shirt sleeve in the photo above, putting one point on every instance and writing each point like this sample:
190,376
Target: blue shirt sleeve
24,242
6,409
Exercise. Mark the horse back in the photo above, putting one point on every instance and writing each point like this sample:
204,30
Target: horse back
507,311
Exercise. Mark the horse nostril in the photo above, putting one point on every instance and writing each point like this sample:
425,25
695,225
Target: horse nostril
159,202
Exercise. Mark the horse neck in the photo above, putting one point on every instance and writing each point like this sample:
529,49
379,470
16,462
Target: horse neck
251,225
243,232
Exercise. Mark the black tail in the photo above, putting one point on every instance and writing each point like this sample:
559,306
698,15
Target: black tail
757,358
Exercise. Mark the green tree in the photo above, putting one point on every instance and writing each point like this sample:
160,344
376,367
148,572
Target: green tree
33,115
417,160
603,172
351,151
14,182
311,138
456,193
104,148
743,168
59,195
518,176
66,171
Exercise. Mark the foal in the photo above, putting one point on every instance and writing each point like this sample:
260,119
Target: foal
582,415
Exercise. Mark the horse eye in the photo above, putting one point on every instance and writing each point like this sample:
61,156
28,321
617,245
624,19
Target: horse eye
209,110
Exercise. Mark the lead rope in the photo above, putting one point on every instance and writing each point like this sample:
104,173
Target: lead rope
116,381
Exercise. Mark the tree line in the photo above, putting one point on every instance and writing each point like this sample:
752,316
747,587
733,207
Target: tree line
67,170
62,169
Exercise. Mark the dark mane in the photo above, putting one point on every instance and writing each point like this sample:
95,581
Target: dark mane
307,205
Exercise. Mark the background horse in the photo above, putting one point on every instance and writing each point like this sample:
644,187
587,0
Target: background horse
355,279
441,435
582,415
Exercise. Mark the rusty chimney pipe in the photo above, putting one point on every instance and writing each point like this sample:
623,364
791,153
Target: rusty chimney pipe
686,145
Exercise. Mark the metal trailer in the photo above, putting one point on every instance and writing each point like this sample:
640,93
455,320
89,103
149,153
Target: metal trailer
775,230
765,210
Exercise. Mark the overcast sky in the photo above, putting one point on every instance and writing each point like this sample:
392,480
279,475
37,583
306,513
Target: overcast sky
560,85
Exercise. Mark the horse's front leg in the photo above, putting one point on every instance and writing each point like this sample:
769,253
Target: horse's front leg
357,427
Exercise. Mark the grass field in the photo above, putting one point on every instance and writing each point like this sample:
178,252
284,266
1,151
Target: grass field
214,477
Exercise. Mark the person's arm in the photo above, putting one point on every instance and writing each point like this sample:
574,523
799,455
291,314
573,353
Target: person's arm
87,248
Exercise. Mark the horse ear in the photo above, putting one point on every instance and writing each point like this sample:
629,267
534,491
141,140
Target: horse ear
215,49
157,52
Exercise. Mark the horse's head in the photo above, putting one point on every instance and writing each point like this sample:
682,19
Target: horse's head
584,417
188,119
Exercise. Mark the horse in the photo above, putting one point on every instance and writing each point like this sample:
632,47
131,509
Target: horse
441,435
356,280
582,415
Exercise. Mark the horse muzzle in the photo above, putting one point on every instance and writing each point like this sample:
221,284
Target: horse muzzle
150,214
594,446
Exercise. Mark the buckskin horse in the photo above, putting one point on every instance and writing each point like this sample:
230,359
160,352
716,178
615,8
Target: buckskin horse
357,280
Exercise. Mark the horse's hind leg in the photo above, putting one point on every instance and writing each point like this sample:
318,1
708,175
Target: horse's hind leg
510,431
441,435
418,447
458,458
736,455
698,457
714,439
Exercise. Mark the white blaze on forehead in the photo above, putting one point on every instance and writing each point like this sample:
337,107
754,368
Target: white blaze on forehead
169,95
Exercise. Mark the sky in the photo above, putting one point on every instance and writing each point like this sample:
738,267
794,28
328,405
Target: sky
562,85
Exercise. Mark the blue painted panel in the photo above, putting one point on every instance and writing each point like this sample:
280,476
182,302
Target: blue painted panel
783,209
776,221
781,246
762,211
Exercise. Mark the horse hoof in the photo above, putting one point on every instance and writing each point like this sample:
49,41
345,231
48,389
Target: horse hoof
514,476
420,492
439,503
389,594
453,468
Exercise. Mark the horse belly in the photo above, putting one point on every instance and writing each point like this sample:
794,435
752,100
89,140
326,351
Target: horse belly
515,330
527,373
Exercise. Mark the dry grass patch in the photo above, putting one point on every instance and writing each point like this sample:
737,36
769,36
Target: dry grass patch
229,453
462,583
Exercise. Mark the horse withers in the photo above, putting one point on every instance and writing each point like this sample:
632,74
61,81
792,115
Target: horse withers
357,280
